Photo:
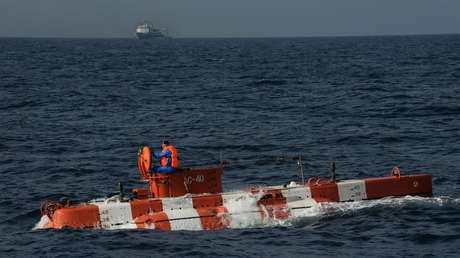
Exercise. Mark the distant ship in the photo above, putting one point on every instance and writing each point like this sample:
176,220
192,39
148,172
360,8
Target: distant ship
147,31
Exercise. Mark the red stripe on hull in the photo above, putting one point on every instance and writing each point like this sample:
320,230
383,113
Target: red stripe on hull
85,216
148,212
399,186
142,207
159,219
273,205
212,212
325,192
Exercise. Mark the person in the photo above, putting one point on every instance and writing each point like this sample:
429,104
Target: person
169,160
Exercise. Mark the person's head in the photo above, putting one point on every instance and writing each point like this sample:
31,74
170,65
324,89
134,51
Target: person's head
164,144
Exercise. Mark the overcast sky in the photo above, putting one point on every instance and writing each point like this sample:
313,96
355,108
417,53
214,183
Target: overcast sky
231,18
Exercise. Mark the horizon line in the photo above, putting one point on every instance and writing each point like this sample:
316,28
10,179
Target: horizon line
238,37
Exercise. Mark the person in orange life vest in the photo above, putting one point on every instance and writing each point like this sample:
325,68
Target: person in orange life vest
169,161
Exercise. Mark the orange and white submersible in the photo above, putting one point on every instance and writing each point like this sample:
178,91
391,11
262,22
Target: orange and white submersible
192,199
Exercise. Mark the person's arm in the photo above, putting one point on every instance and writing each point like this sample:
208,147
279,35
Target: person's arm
165,153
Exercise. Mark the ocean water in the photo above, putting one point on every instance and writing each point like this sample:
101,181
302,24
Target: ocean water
73,113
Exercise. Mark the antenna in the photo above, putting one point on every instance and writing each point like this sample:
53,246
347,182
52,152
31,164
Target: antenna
333,172
299,163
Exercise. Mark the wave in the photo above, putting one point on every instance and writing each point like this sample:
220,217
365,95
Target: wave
347,210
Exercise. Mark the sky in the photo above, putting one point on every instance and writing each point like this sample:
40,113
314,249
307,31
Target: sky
231,18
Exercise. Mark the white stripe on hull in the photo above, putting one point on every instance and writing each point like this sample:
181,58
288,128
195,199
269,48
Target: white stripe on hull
181,214
352,190
299,201
115,215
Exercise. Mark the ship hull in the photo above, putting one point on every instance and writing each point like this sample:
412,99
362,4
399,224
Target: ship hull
226,210
145,36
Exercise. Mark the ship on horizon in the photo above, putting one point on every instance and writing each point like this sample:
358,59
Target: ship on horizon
147,31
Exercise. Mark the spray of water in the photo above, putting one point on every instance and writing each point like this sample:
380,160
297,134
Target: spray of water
41,224
243,210
358,208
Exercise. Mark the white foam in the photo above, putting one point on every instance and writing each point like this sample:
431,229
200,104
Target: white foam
307,217
243,209
41,224
444,201
389,202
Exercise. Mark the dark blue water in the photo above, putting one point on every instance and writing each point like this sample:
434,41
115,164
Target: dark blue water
74,111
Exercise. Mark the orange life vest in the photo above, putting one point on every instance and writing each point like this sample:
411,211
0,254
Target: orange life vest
174,160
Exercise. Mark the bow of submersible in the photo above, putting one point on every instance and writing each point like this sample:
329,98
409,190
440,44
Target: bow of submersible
192,199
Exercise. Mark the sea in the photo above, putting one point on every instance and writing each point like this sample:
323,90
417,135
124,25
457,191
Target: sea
74,112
